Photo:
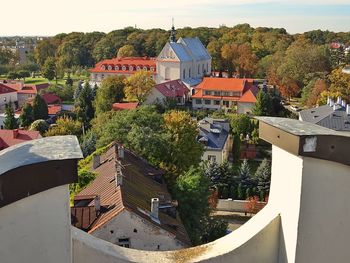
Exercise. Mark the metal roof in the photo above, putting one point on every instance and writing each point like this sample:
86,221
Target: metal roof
195,46
214,140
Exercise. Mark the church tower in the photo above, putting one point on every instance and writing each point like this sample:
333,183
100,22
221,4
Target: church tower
173,34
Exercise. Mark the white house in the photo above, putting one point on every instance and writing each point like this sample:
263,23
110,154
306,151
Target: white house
171,90
7,95
215,135
129,205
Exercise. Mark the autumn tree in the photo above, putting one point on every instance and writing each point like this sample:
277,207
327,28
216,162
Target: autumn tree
65,126
110,91
139,85
318,87
126,51
184,150
340,82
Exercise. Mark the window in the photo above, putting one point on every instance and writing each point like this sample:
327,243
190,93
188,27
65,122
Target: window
216,102
124,68
184,73
152,69
207,102
116,68
103,67
2,127
124,242
131,68
226,103
212,158
109,67
145,68
198,101
226,93
217,93
103,76
138,68
207,92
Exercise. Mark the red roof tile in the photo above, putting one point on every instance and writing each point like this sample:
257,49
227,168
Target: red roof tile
12,137
54,109
5,89
173,89
125,105
50,98
225,84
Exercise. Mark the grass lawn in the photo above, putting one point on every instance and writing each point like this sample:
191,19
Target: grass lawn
38,80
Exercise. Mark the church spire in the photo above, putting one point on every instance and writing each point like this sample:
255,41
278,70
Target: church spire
173,33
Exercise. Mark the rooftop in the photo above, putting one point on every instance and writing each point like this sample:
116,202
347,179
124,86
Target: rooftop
213,133
173,88
12,137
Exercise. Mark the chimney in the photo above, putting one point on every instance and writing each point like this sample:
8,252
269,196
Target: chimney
118,175
154,207
15,133
96,161
97,202
121,152
348,109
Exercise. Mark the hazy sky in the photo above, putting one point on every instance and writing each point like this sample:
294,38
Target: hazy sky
47,17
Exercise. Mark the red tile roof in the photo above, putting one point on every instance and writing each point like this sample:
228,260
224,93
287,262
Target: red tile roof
50,98
54,109
173,89
5,89
26,88
12,137
224,84
125,105
128,61
134,194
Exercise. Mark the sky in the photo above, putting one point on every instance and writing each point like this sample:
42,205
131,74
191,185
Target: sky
47,17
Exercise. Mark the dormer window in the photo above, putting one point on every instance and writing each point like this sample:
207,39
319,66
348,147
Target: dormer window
152,69
123,68
138,68
144,68
131,68
116,68
109,67
103,67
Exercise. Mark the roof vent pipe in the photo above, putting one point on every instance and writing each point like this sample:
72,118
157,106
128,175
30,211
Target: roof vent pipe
154,207
96,161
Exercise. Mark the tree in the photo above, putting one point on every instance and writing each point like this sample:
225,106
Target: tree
184,150
40,110
263,105
192,193
27,117
318,87
65,126
84,105
213,228
263,176
49,68
240,124
340,82
111,91
10,121
39,125
88,143
23,74
139,85
13,75
126,51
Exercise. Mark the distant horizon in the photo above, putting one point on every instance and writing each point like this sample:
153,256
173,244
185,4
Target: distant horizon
42,18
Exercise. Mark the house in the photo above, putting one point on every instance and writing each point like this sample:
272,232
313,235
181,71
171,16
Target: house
11,137
128,204
7,95
50,98
122,67
171,90
125,106
225,93
215,135
333,115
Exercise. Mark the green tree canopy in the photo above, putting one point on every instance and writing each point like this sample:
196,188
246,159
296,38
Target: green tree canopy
126,51
65,126
139,85
49,68
84,105
39,125
27,117
111,91
40,110
10,121
263,105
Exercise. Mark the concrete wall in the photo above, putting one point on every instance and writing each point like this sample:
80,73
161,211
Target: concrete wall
217,154
172,66
155,97
37,228
235,205
146,237
244,107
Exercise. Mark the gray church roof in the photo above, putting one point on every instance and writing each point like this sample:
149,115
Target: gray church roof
195,46
181,52
214,132
335,118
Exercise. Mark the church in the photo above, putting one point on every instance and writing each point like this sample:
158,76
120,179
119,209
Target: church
185,59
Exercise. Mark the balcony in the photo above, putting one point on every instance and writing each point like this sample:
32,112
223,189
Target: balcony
305,220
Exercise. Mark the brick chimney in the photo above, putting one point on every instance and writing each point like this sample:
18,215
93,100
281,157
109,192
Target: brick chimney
15,133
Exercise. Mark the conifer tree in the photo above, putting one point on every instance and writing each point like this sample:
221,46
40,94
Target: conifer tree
10,121
26,117
40,110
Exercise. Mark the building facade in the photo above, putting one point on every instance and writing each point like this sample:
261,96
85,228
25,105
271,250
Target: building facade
225,93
